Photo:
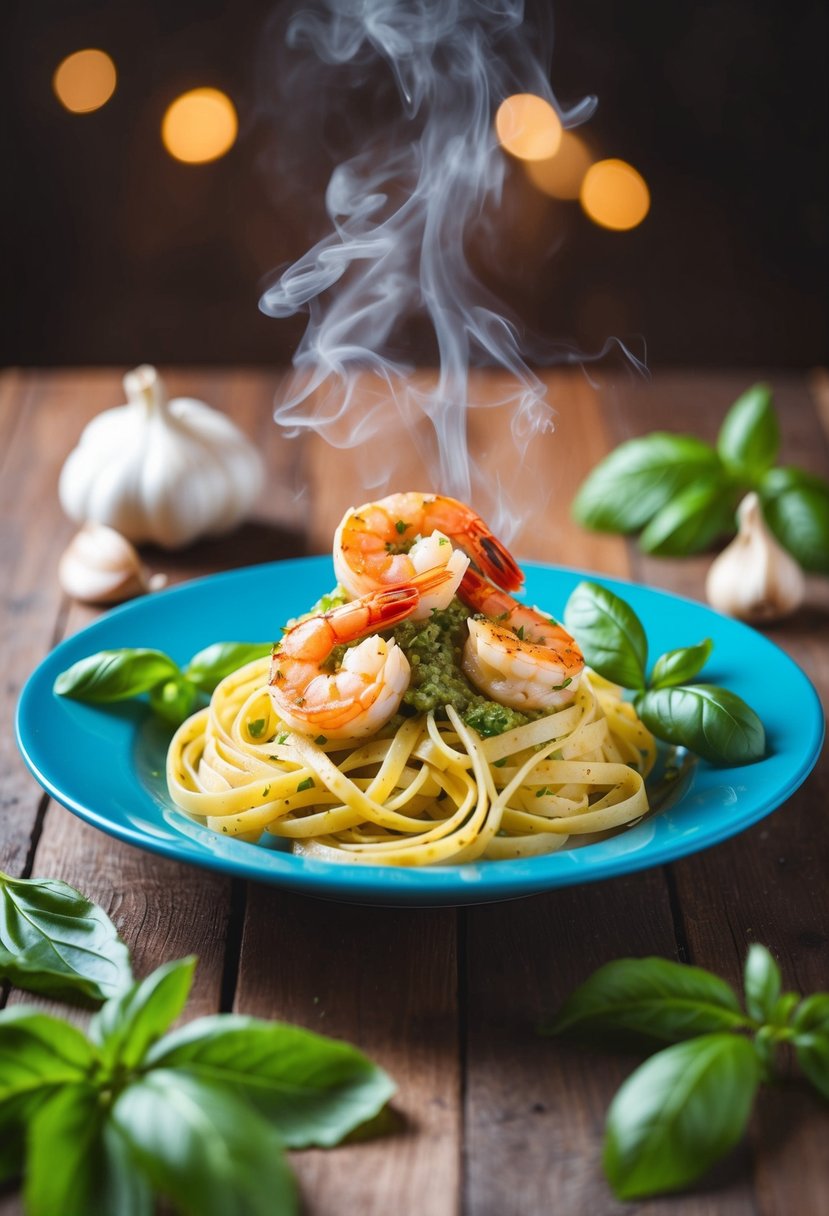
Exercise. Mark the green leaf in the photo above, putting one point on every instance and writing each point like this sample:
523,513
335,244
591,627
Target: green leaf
650,997
115,675
609,633
174,700
207,668
813,1057
677,666
313,1090
796,508
691,520
712,722
127,1026
204,1148
639,477
677,1114
813,1014
762,983
55,941
38,1054
749,437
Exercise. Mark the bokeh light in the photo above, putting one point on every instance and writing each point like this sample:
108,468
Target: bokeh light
528,127
561,175
200,126
614,195
85,81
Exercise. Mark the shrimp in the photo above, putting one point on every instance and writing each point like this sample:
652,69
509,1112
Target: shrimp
367,689
373,546
523,658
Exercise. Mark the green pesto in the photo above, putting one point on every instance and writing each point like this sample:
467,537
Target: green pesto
434,648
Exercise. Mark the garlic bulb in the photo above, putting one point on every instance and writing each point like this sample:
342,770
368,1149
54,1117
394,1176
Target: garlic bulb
101,567
159,470
754,578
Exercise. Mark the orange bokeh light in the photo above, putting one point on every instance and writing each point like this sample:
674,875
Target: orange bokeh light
528,127
85,81
200,126
561,175
614,195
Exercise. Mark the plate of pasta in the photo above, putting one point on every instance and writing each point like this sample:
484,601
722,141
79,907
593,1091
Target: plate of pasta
424,808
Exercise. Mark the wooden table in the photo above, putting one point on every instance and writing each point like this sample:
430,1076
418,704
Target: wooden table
492,1120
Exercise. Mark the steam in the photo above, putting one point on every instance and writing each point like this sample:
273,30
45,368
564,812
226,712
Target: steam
403,210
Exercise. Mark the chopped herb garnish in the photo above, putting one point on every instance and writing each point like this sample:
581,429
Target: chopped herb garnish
389,547
266,791
307,784
256,727
320,739
502,617
558,687
443,540
541,792
519,633
499,763
277,675
283,738
401,526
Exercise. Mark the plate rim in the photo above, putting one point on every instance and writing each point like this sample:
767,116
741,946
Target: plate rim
432,886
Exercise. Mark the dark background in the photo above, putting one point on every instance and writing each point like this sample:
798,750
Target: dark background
115,253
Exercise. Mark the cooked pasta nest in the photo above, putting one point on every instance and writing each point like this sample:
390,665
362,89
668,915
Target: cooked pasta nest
426,792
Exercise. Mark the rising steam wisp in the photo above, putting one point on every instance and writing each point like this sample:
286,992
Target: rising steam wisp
402,212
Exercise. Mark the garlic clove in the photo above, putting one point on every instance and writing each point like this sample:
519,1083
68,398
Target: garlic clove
100,566
754,578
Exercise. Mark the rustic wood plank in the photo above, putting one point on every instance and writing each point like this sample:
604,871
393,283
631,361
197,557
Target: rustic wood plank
768,884
41,416
384,979
535,1107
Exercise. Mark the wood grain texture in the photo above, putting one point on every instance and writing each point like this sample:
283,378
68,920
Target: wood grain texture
490,1118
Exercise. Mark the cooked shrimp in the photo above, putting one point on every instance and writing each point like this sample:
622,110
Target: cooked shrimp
400,536
523,658
367,689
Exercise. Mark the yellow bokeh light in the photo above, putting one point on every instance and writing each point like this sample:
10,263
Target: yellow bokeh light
614,195
561,175
85,81
199,126
528,127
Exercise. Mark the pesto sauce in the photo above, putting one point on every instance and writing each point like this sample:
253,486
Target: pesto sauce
434,648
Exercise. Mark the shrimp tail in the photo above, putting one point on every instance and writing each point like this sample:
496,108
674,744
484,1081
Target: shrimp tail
481,596
494,559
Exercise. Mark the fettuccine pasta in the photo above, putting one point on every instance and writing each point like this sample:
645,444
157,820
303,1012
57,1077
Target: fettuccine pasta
426,790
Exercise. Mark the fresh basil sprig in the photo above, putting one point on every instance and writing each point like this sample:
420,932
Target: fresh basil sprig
101,1123
56,942
119,675
682,494
710,721
689,1103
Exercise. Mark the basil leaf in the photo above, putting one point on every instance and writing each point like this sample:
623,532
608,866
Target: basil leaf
122,1187
638,478
61,1162
211,665
652,997
783,1008
712,722
813,1057
609,634
203,1147
796,508
762,983
174,700
55,941
691,521
313,1090
115,675
677,666
749,437
677,1114
38,1054
813,1014
127,1026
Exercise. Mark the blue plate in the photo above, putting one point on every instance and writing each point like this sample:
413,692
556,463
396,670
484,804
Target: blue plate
107,764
